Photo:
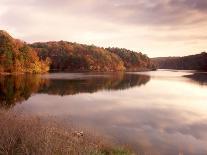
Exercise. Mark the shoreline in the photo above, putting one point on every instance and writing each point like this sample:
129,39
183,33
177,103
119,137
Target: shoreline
70,71
50,137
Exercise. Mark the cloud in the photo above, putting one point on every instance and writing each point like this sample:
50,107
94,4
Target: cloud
147,12
140,25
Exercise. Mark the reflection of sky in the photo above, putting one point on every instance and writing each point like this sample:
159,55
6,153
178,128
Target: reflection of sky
164,116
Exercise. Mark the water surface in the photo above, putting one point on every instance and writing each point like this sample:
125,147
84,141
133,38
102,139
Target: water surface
162,112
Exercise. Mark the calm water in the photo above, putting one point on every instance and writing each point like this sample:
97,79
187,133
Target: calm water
162,112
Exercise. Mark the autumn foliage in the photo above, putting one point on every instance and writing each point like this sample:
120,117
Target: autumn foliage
17,56
68,56
133,61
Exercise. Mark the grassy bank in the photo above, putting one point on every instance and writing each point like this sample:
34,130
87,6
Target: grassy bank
30,135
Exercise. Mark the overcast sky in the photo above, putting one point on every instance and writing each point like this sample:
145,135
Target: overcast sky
154,27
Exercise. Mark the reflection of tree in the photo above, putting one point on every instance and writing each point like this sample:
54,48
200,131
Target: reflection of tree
200,78
19,88
131,80
93,84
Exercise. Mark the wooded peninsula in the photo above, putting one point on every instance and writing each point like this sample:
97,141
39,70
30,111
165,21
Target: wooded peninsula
17,56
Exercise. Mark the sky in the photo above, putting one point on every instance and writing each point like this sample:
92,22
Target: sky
154,27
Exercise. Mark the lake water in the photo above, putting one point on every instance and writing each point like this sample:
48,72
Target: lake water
161,112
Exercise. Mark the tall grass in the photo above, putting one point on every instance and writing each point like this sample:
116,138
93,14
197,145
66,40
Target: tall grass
27,135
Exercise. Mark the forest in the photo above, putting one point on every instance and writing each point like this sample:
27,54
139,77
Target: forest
133,61
67,56
191,62
17,56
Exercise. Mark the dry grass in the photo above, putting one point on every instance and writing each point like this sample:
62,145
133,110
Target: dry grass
29,135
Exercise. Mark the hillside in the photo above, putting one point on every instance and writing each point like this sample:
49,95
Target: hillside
19,57
133,61
191,62
67,56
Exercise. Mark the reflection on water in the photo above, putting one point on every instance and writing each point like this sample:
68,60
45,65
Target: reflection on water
18,88
15,89
200,78
94,84
159,113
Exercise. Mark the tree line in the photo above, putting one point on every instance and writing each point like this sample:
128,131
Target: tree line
67,56
191,62
18,56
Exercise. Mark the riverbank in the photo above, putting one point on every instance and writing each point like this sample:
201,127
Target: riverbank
81,71
7,73
21,134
